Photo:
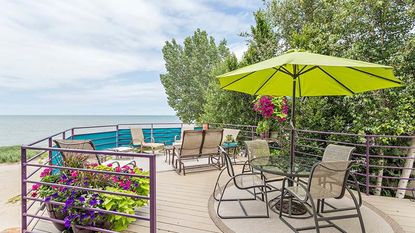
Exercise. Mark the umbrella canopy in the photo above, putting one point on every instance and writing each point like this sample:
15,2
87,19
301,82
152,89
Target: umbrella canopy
311,74
300,74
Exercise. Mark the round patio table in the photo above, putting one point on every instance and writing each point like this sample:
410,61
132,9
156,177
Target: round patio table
280,165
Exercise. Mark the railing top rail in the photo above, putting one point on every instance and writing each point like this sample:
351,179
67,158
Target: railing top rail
352,134
46,138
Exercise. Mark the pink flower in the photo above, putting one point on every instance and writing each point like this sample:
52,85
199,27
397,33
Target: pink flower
45,172
117,169
34,194
35,187
74,174
109,165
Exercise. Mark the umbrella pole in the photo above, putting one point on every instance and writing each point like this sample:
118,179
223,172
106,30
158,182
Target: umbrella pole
292,121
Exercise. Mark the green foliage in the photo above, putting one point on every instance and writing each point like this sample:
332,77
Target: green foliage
120,204
189,72
11,154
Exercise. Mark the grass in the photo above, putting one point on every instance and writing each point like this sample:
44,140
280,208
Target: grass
11,154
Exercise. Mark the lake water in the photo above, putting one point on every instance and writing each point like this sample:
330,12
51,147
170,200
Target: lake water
17,130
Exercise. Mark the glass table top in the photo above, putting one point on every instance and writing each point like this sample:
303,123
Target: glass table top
280,165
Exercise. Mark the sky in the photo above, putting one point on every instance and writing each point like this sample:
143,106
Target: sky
101,57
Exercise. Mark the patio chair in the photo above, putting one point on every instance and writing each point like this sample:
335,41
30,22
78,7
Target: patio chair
189,149
257,149
138,140
328,180
335,153
177,140
212,139
243,182
87,145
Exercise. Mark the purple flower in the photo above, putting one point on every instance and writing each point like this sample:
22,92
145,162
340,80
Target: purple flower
47,199
81,199
67,221
93,202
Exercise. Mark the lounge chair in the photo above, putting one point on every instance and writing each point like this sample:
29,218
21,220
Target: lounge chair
189,149
328,180
88,145
177,140
242,181
138,140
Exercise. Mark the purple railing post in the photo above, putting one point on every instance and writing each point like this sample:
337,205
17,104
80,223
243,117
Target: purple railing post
72,133
153,214
117,127
367,155
64,135
24,189
50,151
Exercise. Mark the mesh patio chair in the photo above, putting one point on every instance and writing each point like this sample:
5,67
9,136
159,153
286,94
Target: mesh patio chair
328,180
242,181
212,139
188,149
335,153
138,140
87,145
257,149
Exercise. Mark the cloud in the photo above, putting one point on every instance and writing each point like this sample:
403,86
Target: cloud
52,45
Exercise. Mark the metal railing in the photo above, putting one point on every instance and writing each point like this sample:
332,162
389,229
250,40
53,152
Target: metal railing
382,156
33,208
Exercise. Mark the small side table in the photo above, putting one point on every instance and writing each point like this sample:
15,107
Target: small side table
231,146
121,149
168,150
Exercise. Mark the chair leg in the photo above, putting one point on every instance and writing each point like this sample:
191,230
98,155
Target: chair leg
359,213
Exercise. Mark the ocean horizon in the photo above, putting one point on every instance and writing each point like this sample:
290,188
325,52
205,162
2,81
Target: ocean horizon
24,129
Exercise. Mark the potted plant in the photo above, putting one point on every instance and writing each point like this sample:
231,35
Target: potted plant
73,211
274,111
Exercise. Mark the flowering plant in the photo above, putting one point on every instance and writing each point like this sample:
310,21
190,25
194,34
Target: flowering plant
76,204
272,107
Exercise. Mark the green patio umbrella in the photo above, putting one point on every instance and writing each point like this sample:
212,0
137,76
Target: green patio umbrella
298,74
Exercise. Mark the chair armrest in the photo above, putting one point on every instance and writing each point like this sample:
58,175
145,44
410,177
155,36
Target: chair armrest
176,137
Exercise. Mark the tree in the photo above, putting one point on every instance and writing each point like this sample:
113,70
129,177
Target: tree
188,72
368,30
232,107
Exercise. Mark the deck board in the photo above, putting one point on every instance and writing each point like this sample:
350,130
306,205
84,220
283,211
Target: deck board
182,206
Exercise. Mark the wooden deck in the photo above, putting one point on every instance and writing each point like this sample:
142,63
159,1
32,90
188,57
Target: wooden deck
182,205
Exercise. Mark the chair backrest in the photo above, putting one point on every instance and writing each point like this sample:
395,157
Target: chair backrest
257,148
328,179
77,144
191,143
186,127
228,162
233,132
211,141
137,136
337,152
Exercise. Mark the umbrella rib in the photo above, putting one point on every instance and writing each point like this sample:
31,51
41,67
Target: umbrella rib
374,75
267,80
299,72
238,79
344,86
299,86
308,70
286,71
